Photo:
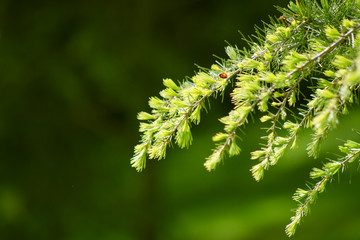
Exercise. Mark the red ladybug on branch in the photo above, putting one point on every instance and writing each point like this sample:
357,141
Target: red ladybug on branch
223,75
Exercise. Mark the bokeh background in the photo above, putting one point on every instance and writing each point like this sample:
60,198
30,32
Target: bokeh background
73,75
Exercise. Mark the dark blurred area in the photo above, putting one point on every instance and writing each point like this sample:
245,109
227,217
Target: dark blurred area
73,75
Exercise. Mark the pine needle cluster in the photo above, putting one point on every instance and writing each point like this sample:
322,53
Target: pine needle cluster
315,44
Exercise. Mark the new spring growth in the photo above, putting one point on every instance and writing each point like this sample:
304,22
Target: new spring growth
317,48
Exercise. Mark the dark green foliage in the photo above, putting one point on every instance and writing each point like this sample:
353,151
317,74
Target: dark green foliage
315,44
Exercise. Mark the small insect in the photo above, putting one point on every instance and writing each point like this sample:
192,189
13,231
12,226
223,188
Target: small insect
284,19
223,75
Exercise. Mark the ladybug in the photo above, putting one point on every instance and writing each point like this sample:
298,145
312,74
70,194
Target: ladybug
223,75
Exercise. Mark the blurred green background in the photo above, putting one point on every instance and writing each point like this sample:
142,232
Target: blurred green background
73,75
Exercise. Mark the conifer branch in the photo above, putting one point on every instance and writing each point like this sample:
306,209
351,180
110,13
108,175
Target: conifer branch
323,47
352,150
243,105
270,154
